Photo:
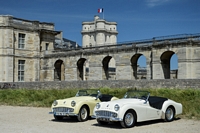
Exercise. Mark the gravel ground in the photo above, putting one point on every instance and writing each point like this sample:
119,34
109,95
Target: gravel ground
37,120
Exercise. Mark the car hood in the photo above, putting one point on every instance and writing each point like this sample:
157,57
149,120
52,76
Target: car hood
121,102
67,101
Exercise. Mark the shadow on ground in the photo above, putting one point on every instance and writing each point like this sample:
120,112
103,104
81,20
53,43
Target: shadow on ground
138,124
69,119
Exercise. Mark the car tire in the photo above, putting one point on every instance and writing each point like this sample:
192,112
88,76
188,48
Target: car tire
129,119
83,114
102,122
169,114
58,117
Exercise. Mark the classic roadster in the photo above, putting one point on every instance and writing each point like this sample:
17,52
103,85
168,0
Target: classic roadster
136,106
81,106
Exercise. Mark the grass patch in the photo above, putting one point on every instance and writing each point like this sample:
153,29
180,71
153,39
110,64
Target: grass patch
190,98
36,98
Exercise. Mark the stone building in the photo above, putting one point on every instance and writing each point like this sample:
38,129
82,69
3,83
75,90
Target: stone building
98,32
34,51
22,44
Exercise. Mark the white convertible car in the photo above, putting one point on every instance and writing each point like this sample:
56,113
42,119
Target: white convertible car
136,106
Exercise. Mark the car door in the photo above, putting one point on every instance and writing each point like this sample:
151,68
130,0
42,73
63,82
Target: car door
152,113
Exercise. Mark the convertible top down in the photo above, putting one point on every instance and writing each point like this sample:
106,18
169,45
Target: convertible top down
81,106
136,106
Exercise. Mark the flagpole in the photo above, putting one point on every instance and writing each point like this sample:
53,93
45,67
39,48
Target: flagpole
101,10
103,13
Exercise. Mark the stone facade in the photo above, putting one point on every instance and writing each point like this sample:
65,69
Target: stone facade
22,43
99,33
112,84
27,53
124,59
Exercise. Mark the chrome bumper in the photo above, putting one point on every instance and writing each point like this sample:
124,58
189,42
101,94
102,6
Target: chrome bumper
63,114
93,116
104,118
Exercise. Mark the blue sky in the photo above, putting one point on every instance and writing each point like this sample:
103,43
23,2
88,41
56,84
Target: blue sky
136,19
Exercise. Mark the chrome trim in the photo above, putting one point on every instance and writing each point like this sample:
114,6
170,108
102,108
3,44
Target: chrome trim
63,110
94,116
104,113
106,116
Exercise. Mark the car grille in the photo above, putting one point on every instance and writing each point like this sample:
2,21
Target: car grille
105,113
61,109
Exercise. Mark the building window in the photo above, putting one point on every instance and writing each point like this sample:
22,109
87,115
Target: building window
21,66
47,46
21,41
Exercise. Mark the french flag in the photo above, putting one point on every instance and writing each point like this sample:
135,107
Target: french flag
100,10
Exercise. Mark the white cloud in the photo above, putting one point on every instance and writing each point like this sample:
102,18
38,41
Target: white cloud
153,3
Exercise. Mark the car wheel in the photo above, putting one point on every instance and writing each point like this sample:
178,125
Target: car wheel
169,114
83,114
58,117
102,122
129,119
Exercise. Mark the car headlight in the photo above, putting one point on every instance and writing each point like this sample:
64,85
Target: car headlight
98,106
116,107
73,103
55,103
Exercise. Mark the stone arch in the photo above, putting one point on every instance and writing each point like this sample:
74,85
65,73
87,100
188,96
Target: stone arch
141,74
83,69
59,71
109,68
165,63
142,67
174,66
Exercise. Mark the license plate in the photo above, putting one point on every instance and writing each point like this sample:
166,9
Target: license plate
61,113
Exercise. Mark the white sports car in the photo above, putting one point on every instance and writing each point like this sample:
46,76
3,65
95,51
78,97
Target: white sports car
136,106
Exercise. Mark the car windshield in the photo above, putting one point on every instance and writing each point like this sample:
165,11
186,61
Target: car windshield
137,94
87,92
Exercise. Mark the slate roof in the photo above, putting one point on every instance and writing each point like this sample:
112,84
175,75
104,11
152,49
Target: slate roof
65,44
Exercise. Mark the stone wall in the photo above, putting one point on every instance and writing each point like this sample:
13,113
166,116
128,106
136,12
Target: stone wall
154,84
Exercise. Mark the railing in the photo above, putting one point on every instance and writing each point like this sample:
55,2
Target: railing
142,43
